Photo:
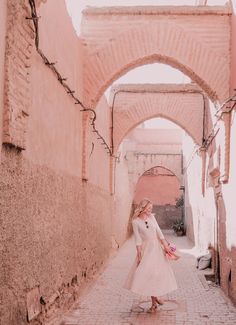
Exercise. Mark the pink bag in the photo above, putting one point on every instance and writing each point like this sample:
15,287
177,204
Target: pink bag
172,255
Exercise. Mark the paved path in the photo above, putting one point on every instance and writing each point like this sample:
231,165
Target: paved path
195,302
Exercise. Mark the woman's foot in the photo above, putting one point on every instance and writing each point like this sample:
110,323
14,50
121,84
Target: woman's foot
153,308
159,301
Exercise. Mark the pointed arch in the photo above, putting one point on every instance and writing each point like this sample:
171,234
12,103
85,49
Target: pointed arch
162,41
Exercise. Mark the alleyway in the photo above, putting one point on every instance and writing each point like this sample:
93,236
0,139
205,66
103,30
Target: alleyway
195,302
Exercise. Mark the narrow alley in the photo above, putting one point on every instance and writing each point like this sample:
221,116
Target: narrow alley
197,301
117,117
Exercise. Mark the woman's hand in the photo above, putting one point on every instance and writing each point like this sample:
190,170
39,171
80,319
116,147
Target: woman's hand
139,254
166,246
167,249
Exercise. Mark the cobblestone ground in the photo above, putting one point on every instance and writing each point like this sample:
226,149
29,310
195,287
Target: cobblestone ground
195,302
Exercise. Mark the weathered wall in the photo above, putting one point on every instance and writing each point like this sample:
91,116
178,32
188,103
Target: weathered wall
227,228
166,215
96,150
148,148
55,236
123,197
46,231
233,48
226,201
159,189
200,212
3,18
140,151
163,192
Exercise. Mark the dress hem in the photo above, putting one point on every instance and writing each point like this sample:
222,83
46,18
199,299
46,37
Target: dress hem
152,294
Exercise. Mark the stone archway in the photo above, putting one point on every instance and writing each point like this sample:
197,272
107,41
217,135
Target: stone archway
184,105
144,161
119,39
162,187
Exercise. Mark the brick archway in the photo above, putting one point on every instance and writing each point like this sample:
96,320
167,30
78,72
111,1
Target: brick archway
181,38
144,162
181,104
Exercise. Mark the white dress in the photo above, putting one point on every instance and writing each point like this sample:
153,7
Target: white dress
153,276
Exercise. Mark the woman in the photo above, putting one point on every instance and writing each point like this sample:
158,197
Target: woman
151,274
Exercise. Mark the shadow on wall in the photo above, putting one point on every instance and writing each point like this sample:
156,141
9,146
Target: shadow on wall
188,214
227,257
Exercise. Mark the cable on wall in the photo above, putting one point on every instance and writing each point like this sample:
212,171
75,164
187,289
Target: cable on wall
34,17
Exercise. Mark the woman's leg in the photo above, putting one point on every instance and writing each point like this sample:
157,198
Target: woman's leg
159,301
154,305
154,300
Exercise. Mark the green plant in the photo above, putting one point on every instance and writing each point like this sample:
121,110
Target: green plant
178,226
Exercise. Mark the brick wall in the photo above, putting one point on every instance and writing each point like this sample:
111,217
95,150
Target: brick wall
19,44
181,104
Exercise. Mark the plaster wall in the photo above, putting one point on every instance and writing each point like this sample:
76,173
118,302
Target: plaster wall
97,155
200,211
54,130
3,21
160,189
227,226
123,198
155,136
163,191
130,167
57,229
47,217
233,47
226,202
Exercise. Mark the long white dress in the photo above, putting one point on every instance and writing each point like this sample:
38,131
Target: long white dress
153,276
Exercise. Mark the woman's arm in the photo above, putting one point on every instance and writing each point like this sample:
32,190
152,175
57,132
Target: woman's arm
165,244
139,253
161,237
138,241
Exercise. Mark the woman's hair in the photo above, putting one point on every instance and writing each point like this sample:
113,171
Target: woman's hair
141,207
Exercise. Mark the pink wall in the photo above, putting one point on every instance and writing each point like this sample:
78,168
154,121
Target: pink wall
233,48
129,168
64,49
123,197
160,190
3,12
96,151
155,136
55,122
52,212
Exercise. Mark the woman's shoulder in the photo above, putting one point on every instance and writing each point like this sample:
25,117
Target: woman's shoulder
135,220
153,217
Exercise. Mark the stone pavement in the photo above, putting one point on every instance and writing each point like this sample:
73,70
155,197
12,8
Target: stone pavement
195,302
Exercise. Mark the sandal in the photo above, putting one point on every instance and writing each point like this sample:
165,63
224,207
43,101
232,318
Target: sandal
159,301
152,309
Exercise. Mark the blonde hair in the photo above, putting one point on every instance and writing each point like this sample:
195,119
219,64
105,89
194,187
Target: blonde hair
141,207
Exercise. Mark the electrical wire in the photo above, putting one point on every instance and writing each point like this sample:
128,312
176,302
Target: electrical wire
34,17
